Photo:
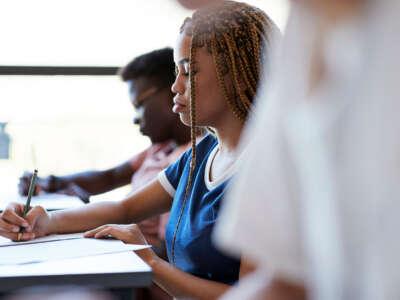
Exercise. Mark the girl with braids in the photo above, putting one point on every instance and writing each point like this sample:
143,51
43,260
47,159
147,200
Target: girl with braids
218,59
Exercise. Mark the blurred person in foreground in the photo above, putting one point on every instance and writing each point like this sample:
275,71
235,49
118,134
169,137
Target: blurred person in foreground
316,207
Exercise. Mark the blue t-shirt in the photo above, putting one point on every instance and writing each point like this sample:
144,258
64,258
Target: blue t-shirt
194,249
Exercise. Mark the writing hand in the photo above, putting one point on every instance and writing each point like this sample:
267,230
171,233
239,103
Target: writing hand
35,223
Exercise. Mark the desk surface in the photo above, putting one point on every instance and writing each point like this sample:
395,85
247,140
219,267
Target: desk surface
117,270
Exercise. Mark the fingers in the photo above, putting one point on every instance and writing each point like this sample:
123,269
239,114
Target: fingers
7,227
126,233
92,233
105,231
33,216
10,215
25,236
11,222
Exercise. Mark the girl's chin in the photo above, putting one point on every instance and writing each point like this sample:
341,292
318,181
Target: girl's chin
185,119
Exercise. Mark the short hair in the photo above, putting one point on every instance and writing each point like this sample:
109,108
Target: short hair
157,65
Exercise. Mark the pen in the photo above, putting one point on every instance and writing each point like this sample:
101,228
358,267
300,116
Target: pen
28,200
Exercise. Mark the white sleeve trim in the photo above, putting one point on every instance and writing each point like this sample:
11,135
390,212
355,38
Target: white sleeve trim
162,178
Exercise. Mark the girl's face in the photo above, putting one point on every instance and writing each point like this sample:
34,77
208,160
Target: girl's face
210,104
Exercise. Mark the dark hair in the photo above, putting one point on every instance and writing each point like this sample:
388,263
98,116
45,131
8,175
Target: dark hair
157,65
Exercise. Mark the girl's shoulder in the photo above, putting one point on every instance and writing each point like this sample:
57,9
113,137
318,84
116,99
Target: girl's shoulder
207,143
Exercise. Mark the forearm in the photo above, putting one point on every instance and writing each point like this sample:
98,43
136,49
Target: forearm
86,217
149,201
94,182
152,200
180,284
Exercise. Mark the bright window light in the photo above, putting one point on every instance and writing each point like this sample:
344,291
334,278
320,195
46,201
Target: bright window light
65,124
95,32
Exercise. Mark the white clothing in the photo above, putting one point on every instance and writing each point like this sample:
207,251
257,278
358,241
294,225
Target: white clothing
251,287
318,199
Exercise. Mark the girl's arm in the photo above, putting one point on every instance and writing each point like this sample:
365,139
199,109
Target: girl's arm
180,284
147,202
151,200
173,280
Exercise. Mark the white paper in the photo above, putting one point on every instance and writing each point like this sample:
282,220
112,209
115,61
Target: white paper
50,238
62,249
101,264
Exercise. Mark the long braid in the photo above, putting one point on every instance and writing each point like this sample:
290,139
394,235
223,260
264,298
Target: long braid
245,104
253,33
236,64
218,68
193,140
232,99
245,69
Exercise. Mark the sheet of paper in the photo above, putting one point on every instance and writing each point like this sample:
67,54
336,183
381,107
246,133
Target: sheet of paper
102,264
54,237
62,249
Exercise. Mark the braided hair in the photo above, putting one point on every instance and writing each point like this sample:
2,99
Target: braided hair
237,35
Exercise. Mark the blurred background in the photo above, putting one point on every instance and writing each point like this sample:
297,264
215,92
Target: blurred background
68,123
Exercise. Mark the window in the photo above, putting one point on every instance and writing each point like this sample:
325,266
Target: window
63,124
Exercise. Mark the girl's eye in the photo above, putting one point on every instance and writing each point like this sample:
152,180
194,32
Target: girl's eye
186,69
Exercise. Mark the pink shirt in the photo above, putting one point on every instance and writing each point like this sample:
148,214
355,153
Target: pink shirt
147,165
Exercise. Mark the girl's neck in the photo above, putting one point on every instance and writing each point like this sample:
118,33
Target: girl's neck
229,135
180,133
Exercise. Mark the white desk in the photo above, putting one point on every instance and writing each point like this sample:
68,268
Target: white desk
121,271
118,270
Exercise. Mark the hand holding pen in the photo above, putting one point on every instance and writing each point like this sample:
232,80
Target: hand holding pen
35,221
28,201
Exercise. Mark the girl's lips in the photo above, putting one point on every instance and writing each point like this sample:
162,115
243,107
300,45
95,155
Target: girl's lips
178,108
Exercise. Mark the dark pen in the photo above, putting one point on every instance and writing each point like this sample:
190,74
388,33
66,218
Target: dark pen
28,201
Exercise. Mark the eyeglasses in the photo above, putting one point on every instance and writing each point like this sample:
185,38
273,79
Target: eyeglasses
150,92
